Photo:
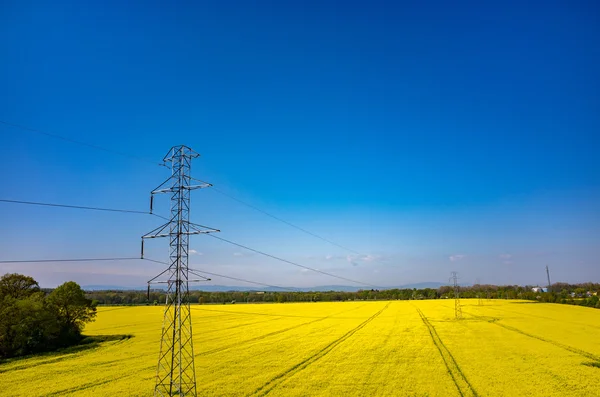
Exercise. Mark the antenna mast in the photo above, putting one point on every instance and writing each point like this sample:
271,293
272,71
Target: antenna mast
176,373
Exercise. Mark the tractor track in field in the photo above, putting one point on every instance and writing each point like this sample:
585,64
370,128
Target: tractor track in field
557,344
112,308
366,382
278,379
109,363
243,342
461,382
84,386
113,328
218,315
256,314
46,362
543,317
235,327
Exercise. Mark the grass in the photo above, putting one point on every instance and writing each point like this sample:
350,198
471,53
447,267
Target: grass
398,348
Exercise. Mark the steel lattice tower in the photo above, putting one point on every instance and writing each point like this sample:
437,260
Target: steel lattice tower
457,307
176,374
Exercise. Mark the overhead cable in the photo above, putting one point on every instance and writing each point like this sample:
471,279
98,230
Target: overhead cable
284,221
293,263
78,142
213,188
73,206
69,260
228,277
245,281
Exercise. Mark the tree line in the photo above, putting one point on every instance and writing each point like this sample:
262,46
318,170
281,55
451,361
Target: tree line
33,320
560,293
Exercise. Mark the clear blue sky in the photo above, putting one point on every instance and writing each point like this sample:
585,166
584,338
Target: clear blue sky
429,136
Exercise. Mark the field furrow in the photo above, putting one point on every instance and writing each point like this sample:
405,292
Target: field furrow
458,377
271,384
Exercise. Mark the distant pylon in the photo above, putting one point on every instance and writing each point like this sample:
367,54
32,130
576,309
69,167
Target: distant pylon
549,284
176,373
457,307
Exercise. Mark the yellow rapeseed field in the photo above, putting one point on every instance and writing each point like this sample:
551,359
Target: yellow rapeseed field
398,348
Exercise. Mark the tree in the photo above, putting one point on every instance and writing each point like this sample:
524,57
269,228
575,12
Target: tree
35,327
73,309
8,316
17,286
26,325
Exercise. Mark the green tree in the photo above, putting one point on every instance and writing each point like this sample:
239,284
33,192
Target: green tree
17,286
27,326
35,327
72,308
8,316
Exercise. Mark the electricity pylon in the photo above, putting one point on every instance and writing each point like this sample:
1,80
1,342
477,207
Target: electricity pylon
457,307
176,373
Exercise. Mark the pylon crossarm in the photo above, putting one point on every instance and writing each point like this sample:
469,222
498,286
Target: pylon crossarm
184,150
194,187
182,233
197,232
158,235
198,275
157,232
158,188
201,181
202,279
159,274
202,228
167,190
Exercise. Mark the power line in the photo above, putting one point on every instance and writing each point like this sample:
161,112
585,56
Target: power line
303,230
285,222
73,206
294,263
143,212
56,136
245,281
162,217
229,277
70,260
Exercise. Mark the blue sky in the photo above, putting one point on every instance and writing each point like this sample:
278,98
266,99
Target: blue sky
428,137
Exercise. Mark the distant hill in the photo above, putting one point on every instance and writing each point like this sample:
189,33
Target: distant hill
101,287
221,288
427,284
